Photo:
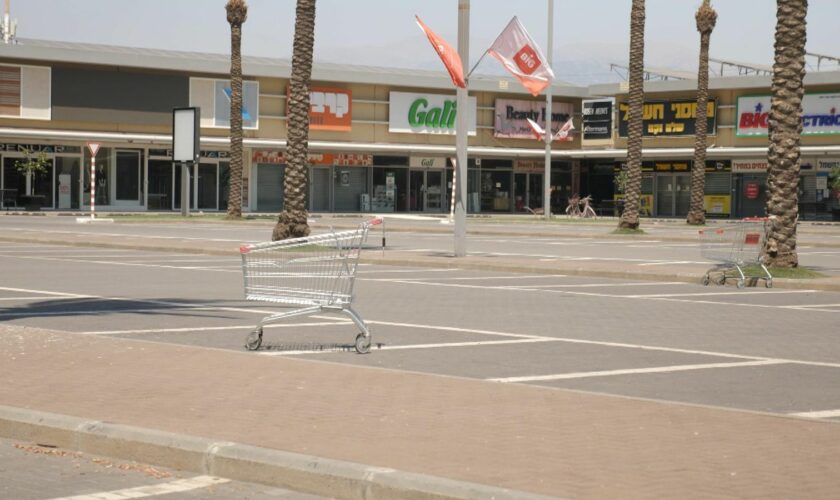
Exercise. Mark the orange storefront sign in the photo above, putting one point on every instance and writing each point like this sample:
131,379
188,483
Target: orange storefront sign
330,109
275,157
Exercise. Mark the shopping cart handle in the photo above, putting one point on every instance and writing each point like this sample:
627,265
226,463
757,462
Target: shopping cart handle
375,221
244,248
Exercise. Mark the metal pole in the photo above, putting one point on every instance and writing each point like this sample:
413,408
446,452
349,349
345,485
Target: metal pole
92,186
547,174
185,189
460,187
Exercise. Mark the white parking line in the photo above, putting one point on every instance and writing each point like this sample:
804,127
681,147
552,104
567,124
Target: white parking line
635,371
598,285
418,346
817,414
127,264
214,328
470,278
181,485
705,294
40,297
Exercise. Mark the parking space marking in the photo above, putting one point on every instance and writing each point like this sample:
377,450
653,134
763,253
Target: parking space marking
127,264
470,278
705,294
411,271
45,292
418,346
598,285
40,297
817,414
181,485
216,328
634,371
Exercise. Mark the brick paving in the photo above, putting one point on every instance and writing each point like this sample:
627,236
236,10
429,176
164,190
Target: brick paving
527,438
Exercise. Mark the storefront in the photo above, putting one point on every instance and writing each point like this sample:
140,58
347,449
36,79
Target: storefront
59,186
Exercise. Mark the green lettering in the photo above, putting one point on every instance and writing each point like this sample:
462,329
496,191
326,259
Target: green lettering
452,115
433,118
417,118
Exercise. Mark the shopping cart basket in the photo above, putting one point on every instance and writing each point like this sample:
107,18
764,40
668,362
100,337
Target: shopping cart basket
312,274
738,248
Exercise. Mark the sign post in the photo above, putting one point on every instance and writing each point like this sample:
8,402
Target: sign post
94,148
186,128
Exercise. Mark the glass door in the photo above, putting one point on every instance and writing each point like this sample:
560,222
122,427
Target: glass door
433,199
417,185
160,185
208,181
665,190
128,178
682,195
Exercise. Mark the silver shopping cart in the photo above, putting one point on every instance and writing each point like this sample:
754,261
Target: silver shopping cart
313,274
738,247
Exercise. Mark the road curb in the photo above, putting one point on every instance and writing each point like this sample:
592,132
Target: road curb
298,472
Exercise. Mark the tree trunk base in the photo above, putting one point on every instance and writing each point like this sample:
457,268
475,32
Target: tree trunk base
290,225
626,224
696,219
788,260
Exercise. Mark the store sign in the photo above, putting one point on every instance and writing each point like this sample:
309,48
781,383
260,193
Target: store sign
671,166
330,109
39,148
717,204
749,166
819,115
597,119
250,104
427,161
751,190
167,153
668,118
274,157
427,113
828,164
512,117
718,166
529,166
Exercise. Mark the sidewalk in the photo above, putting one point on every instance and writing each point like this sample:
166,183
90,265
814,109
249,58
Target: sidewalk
308,425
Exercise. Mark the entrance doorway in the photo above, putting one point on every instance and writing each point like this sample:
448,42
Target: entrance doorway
527,190
426,191
673,194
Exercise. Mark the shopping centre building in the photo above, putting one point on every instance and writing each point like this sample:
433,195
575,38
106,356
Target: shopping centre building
381,139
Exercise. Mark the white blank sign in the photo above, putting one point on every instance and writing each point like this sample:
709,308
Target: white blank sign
184,140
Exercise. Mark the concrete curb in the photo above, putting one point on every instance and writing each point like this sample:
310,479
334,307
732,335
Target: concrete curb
303,473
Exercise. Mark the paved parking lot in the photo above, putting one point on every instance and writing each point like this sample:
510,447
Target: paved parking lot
754,349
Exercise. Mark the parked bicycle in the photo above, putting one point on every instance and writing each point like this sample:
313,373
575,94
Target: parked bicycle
581,207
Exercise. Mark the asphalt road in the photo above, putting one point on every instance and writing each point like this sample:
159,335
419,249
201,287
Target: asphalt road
755,349
32,472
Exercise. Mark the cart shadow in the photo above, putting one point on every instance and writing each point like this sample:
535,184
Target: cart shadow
58,308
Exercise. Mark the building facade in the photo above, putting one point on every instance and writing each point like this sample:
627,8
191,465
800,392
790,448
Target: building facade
381,140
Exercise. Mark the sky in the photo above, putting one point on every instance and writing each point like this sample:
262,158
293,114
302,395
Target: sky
588,35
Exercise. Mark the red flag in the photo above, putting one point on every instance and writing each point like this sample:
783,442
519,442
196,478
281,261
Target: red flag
520,55
447,54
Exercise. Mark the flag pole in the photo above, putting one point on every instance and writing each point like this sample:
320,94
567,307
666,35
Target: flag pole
460,174
547,174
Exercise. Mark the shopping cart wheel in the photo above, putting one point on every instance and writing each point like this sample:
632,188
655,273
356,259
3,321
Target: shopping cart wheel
706,280
362,343
768,283
740,284
254,340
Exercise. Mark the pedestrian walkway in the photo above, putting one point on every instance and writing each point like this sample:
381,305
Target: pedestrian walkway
524,438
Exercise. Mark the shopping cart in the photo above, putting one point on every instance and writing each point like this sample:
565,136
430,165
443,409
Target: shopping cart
738,247
313,274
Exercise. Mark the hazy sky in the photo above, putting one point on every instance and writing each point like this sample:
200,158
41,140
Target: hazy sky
588,35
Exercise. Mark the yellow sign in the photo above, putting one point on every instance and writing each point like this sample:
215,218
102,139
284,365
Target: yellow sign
718,204
645,203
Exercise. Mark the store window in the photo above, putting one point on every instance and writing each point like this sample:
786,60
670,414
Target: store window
67,182
103,177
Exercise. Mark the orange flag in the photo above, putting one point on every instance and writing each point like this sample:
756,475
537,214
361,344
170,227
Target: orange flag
520,55
447,54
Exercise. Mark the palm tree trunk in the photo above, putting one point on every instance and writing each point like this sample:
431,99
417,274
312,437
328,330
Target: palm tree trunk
785,128
234,208
636,99
706,18
292,221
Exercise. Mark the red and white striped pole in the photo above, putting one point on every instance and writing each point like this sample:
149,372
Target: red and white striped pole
94,148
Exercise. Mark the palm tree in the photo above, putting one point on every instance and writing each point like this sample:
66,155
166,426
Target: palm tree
706,18
292,221
237,13
785,128
636,99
